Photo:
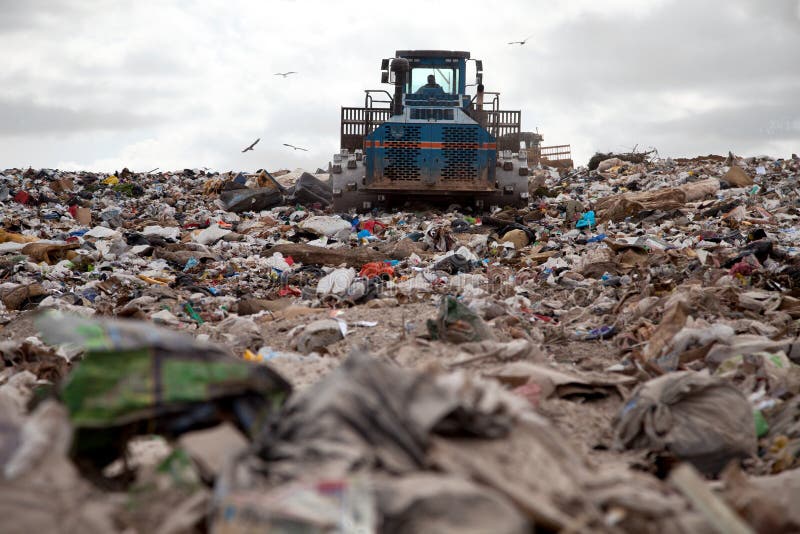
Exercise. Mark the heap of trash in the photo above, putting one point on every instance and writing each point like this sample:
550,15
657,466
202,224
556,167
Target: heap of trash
198,351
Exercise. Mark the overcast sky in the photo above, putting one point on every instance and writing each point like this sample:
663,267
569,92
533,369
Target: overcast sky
101,85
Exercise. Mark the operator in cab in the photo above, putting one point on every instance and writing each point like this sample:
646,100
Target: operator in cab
430,89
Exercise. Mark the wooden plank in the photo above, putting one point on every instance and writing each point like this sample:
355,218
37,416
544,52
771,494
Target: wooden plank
715,510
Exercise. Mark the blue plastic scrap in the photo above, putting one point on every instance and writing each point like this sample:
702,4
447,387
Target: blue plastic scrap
596,239
604,332
191,262
587,220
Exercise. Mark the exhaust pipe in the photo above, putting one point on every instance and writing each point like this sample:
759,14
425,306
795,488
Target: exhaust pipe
400,67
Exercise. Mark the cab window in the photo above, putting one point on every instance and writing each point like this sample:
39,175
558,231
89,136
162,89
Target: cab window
445,77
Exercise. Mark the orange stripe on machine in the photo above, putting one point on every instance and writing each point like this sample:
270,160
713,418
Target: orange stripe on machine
430,145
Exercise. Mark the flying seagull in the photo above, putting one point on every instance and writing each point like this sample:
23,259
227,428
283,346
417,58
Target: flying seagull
522,42
295,147
285,74
251,146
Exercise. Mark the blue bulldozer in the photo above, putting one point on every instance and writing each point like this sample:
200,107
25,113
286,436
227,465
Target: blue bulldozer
428,139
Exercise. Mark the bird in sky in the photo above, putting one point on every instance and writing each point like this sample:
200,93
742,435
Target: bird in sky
295,147
522,42
251,146
285,74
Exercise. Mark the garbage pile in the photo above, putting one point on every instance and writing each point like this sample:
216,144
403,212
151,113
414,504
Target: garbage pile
198,351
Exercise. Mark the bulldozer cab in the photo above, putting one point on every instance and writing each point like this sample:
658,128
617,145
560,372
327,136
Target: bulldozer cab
447,68
435,78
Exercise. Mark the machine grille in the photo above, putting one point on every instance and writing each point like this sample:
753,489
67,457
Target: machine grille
432,114
402,153
460,153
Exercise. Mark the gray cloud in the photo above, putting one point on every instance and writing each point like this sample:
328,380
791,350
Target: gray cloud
20,118
183,84
735,127
712,43
16,15
724,68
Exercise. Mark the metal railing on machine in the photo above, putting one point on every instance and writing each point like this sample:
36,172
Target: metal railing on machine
357,123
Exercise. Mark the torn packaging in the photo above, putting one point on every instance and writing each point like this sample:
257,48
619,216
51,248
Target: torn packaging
737,177
703,420
241,200
310,190
369,415
457,323
365,413
446,505
49,253
41,489
17,296
560,384
768,503
43,361
137,378
659,343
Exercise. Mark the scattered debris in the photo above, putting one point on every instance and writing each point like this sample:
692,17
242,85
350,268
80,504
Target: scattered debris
227,351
